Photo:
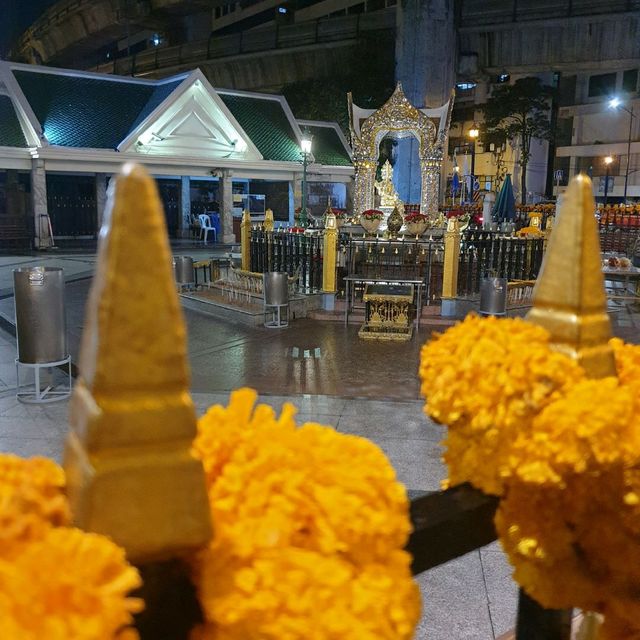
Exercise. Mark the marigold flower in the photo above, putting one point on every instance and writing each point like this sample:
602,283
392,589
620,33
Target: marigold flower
300,510
31,501
69,584
487,378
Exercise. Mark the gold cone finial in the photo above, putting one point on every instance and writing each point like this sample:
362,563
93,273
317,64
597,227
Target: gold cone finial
130,474
569,298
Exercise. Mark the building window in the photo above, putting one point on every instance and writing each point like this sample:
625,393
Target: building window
603,84
630,80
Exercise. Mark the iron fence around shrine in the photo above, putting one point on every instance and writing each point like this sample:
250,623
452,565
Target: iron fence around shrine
72,215
489,253
297,254
395,261
619,231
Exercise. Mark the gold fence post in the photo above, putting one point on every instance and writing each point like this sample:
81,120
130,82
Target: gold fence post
130,472
330,254
245,240
450,268
268,220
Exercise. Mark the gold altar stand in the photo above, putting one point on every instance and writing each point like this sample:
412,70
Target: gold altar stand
387,312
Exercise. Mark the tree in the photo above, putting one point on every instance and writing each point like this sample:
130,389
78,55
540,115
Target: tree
519,111
368,75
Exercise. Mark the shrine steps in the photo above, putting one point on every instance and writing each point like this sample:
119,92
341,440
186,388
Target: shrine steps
249,312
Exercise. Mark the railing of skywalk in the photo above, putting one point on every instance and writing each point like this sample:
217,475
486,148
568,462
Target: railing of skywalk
297,254
485,253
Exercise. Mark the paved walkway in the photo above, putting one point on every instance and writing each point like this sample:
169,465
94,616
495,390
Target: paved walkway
358,387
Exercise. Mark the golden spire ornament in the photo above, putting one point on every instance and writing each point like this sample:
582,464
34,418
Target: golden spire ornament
569,299
129,470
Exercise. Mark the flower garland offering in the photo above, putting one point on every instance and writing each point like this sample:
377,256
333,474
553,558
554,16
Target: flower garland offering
56,582
372,214
309,531
560,450
415,217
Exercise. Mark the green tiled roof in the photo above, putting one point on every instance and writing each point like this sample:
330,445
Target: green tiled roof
159,95
10,130
266,124
89,112
328,148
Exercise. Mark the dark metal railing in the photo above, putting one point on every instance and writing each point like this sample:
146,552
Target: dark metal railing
397,260
294,253
450,523
73,215
485,253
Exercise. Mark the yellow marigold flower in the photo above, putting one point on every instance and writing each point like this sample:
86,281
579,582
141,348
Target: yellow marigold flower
31,501
627,363
576,545
296,594
486,379
591,427
221,429
69,584
300,510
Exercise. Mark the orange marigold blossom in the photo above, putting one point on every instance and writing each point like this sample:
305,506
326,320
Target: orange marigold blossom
301,510
69,584
486,379
31,501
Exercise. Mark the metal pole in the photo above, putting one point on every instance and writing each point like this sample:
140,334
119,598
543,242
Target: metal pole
303,212
606,185
473,170
626,174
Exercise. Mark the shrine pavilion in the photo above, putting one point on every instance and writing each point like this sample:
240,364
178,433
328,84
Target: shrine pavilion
63,133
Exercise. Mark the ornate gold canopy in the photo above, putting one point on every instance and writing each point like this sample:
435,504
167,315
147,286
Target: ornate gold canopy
400,118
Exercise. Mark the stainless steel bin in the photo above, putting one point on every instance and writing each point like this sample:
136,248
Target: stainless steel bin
183,270
493,297
41,324
276,298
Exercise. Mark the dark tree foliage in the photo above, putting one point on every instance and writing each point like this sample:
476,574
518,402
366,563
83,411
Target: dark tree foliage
369,75
518,112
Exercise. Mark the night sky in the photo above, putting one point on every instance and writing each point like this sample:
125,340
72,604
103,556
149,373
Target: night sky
16,16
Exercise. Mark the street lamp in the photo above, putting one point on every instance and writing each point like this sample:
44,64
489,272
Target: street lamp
305,147
474,132
607,163
616,103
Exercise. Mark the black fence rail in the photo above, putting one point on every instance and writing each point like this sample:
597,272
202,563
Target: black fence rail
450,523
397,260
294,253
485,253
619,231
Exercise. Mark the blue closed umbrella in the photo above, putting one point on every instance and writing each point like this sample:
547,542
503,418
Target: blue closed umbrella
455,183
504,210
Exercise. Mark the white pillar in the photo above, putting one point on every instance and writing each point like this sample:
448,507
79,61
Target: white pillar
297,191
101,197
185,207
42,235
225,196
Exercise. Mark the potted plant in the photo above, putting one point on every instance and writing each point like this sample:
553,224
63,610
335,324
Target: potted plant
371,219
416,223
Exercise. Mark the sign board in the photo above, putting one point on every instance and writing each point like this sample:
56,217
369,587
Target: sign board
558,175
602,183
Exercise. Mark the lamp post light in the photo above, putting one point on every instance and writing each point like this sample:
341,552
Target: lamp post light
474,132
305,147
607,163
616,103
